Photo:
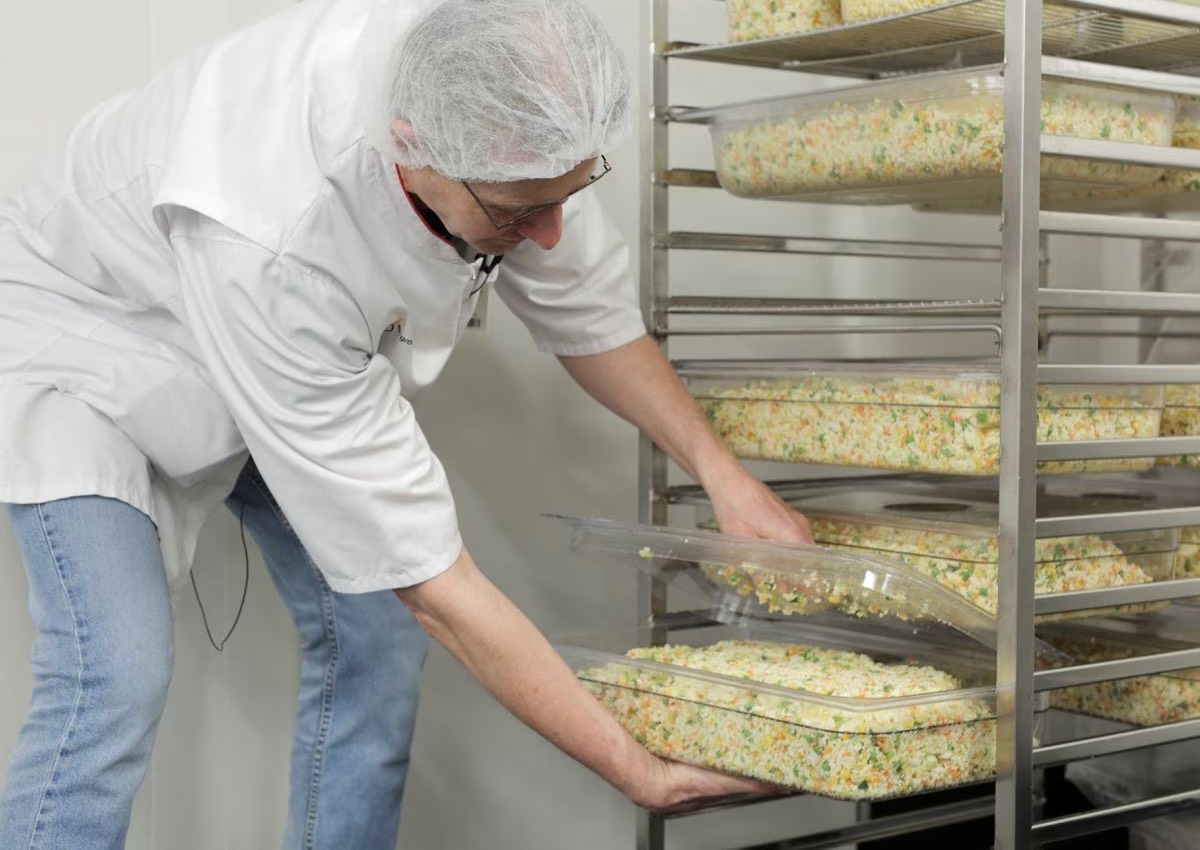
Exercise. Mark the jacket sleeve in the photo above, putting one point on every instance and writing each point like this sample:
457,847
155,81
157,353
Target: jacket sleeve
320,411
578,298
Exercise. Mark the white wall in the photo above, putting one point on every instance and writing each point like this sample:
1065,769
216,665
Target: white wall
517,439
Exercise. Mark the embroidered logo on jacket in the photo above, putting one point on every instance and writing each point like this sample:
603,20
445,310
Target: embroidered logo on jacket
397,327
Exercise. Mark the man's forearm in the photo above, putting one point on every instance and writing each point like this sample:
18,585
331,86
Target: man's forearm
481,627
637,383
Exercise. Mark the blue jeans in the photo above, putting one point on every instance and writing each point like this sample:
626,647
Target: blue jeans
102,660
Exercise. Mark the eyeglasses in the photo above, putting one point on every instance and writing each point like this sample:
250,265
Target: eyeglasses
538,209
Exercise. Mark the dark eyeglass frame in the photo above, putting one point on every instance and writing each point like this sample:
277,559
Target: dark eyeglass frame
540,208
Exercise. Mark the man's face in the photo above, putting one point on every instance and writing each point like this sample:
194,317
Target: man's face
464,213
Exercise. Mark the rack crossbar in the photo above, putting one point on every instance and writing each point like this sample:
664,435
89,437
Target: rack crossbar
1103,373
1086,823
1105,449
890,249
735,305
1124,152
663,331
1121,668
1117,742
1118,226
1133,594
1053,302
889,826
1148,520
1151,10
1095,72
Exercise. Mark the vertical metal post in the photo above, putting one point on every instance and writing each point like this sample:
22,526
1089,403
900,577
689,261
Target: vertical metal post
1154,256
654,227
1043,326
1018,421
652,464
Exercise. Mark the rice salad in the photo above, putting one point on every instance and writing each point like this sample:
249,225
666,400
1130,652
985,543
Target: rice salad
1187,558
1175,184
1142,700
803,744
804,592
857,11
754,19
916,138
969,564
1181,418
924,424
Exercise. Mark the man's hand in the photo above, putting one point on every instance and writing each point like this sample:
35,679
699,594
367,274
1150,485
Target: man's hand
637,383
748,508
678,787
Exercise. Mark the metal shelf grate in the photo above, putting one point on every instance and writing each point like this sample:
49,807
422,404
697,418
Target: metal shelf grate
962,34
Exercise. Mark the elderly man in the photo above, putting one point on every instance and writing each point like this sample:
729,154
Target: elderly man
264,254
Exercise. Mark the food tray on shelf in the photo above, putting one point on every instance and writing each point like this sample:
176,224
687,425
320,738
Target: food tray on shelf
1140,700
1181,416
741,578
834,713
925,417
953,537
957,34
755,19
859,11
1164,487
1177,190
949,532
929,138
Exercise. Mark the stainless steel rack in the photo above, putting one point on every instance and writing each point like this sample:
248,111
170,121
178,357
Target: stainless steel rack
1153,44
1157,36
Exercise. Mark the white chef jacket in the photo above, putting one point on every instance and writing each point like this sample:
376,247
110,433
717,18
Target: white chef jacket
224,264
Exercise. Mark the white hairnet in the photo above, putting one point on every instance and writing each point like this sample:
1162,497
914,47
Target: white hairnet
494,90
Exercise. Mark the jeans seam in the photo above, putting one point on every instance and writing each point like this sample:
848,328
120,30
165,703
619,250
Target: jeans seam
326,721
263,490
70,727
330,623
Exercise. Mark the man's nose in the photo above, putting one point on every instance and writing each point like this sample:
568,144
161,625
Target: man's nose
543,229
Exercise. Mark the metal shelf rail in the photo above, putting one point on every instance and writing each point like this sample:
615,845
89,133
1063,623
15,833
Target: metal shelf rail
1153,44
1158,36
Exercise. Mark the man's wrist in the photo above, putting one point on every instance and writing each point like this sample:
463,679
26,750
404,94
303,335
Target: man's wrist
721,471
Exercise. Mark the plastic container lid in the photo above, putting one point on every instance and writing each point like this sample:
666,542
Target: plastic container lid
985,81
941,383
744,577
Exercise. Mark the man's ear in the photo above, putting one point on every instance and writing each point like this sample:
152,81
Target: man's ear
403,135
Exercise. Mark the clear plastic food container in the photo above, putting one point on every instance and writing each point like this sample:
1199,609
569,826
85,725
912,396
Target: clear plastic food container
1181,418
1175,191
754,19
840,714
950,534
1165,487
1141,700
857,11
931,138
922,417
